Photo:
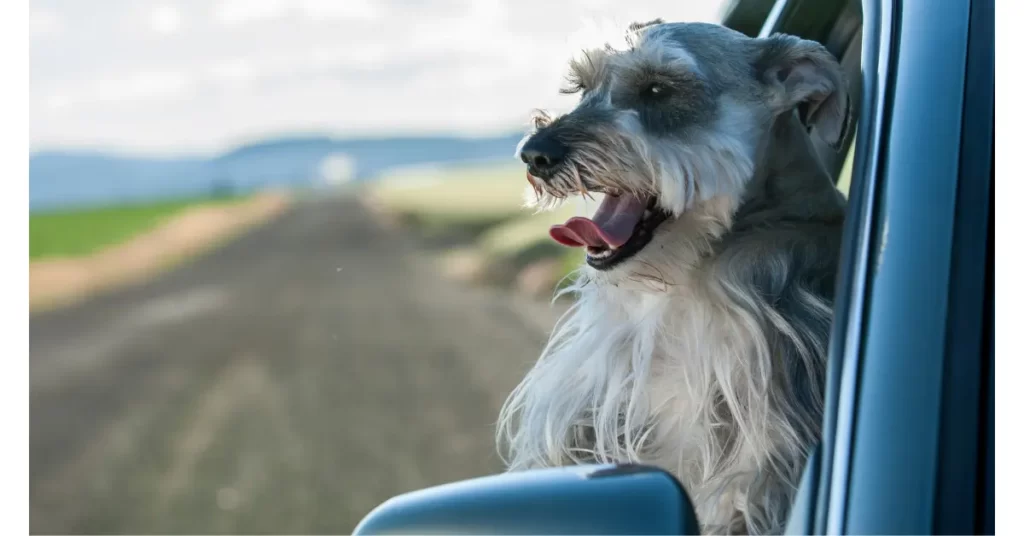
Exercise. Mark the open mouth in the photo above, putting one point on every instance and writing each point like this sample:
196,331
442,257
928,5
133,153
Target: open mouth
622,226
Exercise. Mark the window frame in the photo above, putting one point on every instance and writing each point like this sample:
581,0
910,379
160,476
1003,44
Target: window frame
904,470
907,363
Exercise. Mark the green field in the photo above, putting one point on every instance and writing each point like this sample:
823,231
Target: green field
80,232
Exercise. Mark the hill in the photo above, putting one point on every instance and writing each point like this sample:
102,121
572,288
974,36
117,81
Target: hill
65,179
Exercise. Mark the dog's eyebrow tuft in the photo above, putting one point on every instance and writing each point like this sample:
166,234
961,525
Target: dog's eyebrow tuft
585,71
637,26
633,31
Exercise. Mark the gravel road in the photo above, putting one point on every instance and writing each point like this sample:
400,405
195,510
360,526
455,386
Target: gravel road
285,383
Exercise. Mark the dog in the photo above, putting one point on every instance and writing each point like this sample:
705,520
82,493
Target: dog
697,339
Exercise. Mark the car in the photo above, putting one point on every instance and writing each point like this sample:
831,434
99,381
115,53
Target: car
908,439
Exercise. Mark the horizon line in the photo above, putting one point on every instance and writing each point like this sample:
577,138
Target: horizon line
250,140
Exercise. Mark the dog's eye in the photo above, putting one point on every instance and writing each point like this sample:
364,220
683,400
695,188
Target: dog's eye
654,90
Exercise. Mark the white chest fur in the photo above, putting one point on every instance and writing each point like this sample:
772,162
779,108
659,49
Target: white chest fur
669,368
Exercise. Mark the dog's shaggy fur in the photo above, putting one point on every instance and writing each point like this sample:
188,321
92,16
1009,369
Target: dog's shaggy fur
703,352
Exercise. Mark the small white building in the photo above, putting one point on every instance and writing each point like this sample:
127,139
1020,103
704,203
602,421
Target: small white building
337,169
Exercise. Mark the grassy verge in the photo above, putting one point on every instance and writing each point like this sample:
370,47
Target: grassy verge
106,248
81,232
478,214
460,196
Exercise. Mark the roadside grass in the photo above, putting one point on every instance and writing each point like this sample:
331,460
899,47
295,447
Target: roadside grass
74,233
474,196
483,208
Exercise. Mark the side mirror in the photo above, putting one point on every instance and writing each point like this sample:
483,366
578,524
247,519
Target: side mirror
591,499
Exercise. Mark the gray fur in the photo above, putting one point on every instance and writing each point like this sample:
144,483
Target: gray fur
704,353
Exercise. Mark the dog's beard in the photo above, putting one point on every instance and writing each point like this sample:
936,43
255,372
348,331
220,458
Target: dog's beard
606,160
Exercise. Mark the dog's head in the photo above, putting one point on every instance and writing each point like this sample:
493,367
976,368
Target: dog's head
677,117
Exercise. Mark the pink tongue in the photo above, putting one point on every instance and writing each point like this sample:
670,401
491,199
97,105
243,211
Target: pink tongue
612,225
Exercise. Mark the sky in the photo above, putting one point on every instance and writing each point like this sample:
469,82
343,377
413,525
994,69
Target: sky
200,76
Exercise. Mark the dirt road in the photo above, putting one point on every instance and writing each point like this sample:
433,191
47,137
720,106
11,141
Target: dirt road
286,383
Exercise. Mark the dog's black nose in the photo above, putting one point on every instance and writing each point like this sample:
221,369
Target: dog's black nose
543,154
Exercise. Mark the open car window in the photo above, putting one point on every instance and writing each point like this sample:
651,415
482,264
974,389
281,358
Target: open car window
862,479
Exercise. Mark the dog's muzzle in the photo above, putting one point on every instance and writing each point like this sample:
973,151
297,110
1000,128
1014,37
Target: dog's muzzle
543,154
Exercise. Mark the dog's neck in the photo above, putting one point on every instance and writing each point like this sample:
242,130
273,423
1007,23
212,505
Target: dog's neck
787,148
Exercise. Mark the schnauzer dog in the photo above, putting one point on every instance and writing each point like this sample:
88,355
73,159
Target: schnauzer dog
697,340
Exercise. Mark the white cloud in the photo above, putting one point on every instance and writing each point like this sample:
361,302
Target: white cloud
122,90
55,103
238,12
228,69
44,23
233,71
339,9
165,19
233,12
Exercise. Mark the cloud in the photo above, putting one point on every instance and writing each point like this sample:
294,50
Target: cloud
234,12
165,19
335,9
139,87
196,73
234,71
238,12
144,85
55,103
44,23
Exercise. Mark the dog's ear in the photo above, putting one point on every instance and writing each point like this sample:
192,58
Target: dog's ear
802,74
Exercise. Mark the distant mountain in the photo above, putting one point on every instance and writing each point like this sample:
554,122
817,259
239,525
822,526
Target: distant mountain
60,179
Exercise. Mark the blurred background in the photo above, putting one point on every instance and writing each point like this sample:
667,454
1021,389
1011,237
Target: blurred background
280,271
